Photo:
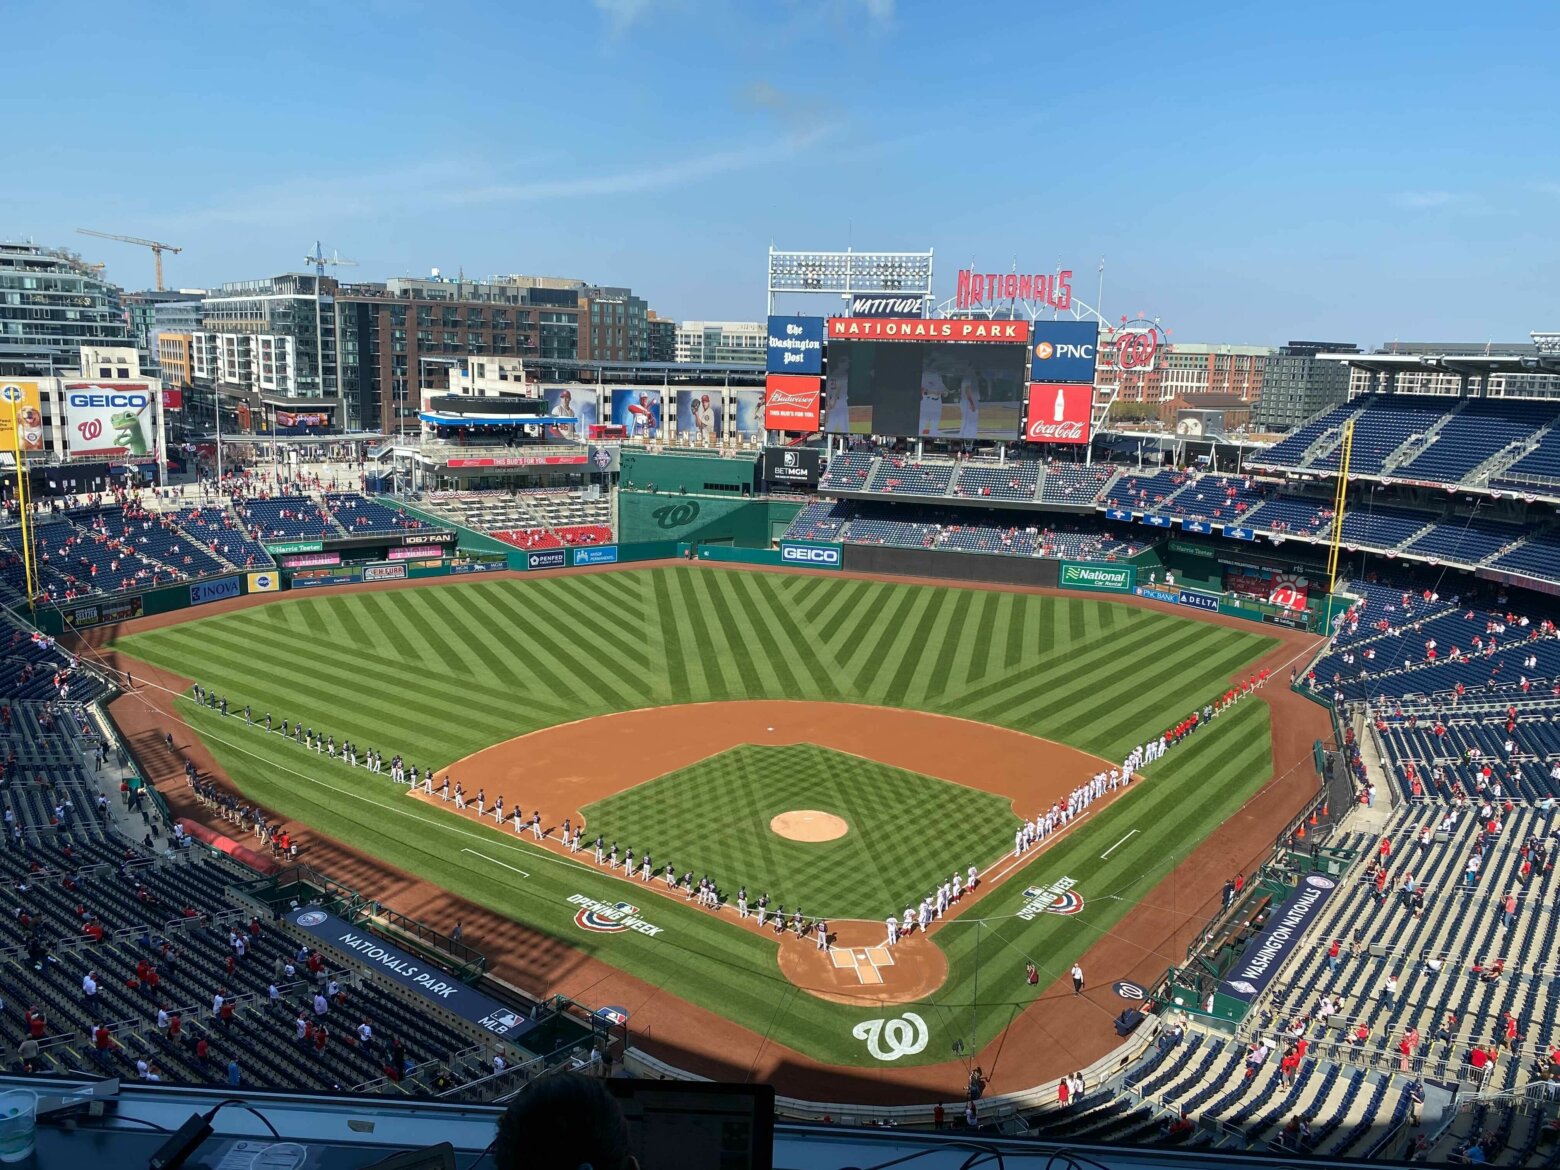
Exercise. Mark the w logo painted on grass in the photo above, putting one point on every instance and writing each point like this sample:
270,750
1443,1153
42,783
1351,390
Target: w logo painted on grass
1057,898
606,921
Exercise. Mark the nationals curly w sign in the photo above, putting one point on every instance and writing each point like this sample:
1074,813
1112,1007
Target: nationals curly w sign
1059,412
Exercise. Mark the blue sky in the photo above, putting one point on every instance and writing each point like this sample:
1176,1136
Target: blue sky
1250,173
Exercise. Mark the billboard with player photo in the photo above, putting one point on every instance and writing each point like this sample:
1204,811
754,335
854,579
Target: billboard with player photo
700,416
1289,590
747,413
576,402
637,411
932,389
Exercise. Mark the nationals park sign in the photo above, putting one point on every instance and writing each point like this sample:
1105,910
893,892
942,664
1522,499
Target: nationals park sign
1098,578
396,965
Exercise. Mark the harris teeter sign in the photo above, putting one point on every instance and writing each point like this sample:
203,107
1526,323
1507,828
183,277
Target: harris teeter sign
1098,578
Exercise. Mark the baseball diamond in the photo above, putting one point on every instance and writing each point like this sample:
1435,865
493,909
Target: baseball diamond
444,676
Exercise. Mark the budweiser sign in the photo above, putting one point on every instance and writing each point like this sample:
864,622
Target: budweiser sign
1054,291
792,402
1059,412
903,329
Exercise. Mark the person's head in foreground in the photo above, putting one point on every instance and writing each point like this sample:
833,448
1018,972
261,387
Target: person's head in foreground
565,1122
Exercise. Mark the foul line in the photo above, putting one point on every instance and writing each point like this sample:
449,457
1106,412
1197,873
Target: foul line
1118,845
495,861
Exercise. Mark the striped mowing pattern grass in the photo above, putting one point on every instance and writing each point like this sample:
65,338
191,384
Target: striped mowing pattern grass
436,673
476,663
906,831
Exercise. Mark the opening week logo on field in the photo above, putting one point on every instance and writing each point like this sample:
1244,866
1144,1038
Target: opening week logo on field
1057,898
609,917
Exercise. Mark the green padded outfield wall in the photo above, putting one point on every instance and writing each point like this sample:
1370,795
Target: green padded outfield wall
702,472
746,523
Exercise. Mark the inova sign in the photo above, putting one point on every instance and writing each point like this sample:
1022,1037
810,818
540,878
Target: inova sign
815,556
1099,578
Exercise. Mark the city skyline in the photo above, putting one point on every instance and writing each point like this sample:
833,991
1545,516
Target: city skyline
1246,179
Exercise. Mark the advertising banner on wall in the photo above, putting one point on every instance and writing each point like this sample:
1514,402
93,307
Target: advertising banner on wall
1268,952
887,305
795,345
1059,412
109,418
792,465
576,402
263,582
20,411
408,971
1097,578
309,560
811,556
172,398
1063,351
792,403
301,418
414,552
899,329
104,612
700,416
384,572
638,411
1289,590
747,413
547,558
222,588
596,554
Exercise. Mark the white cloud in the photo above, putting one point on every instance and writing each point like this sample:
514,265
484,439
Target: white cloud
621,14
678,173
1418,200
881,11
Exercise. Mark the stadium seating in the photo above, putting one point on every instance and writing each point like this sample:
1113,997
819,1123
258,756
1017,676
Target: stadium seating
1219,499
167,917
361,516
1075,483
1012,481
847,472
895,475
1140,492
1479,431
1537,470
287,518
218,529
957,530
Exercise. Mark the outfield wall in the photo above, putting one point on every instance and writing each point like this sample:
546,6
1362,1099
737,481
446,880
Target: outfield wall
735,520
949,566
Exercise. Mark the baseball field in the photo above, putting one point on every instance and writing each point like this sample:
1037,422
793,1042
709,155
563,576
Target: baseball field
706,716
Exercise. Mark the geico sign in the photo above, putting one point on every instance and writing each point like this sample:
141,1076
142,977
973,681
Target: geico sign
811,556
139,401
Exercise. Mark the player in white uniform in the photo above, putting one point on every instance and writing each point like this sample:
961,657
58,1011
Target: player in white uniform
837,419
932,390
704,419
893,930
969,410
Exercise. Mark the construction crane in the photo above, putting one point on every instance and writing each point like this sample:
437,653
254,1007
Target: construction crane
157,247
319,260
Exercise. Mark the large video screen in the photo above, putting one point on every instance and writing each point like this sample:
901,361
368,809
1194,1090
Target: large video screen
936,389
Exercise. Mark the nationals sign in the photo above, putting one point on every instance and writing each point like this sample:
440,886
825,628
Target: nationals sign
907,329
1136,348
1059,412
792,402
1054,291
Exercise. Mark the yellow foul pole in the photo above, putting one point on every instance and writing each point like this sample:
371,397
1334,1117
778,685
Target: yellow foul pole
22,504
1339,499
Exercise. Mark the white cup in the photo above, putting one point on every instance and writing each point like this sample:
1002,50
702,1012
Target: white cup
18,1124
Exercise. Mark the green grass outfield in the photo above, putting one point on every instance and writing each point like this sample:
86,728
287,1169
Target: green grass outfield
713,818
437,673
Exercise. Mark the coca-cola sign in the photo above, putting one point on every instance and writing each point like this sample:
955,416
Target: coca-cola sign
1059,412
792,403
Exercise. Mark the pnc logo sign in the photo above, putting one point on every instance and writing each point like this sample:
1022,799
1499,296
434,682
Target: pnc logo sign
820,556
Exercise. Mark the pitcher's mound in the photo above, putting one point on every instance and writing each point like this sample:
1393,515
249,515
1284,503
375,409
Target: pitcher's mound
808,824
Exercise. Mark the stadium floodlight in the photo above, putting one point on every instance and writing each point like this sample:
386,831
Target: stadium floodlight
1548,343
849,272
